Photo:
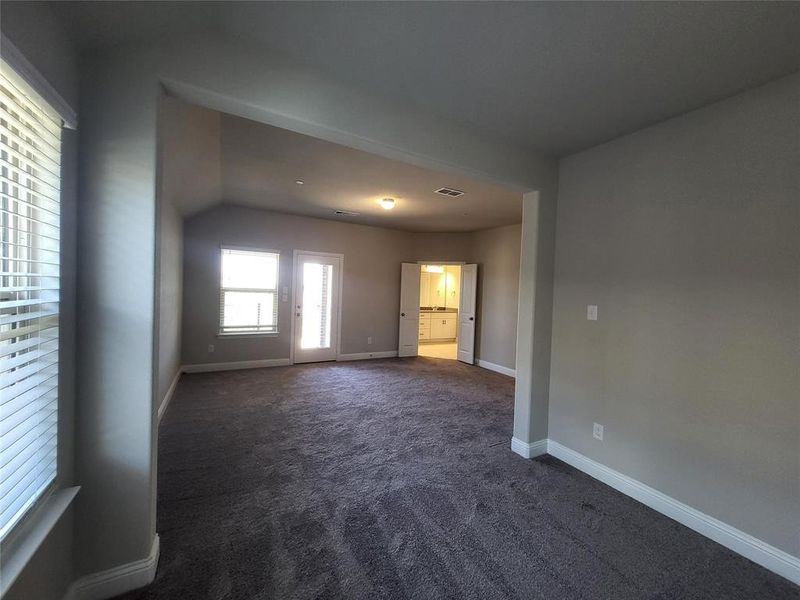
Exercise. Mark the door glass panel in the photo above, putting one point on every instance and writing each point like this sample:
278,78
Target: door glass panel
317,300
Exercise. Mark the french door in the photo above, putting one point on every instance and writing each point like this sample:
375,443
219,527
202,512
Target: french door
317,297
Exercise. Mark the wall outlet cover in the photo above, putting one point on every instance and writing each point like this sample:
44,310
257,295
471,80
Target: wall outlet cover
211,347
597,432
591,312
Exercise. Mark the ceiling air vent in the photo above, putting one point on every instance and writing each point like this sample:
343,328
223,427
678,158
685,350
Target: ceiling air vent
346,213
445,191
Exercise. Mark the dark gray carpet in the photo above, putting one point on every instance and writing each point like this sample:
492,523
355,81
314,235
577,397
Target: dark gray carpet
394,479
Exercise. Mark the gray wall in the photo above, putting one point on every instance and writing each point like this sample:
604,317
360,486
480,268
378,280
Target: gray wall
370,294
371,290
116,437
169,297
497,252
687,237
190,175
38,35
115,440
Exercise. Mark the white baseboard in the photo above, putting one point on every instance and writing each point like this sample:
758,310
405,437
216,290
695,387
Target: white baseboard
526,450
367,355
168,396
497,368
235,366
118,580
769,557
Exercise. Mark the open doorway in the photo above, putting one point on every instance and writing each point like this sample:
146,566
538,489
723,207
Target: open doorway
439,295
437,310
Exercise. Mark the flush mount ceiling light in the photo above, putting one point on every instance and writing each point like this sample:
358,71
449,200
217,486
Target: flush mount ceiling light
299,181
387,203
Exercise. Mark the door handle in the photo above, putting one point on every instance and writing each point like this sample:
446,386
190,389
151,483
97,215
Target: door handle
402,314
472,318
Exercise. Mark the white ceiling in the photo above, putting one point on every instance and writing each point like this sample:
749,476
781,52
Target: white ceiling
260,164
556,77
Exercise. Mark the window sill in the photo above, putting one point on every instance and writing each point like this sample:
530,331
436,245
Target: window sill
32,533
249,334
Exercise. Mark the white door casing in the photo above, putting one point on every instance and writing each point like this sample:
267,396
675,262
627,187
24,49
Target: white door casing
322,315
408,344
467,313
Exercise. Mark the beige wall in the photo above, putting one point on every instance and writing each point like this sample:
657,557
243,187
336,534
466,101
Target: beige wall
371,290
687,237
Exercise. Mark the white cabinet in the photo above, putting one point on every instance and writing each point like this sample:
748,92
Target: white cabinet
444,327
425,326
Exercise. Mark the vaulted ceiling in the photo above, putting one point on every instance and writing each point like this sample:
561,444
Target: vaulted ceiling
210,157
556,77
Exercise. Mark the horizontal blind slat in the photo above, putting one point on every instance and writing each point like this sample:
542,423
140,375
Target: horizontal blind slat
25,162
27,489
27,459
47,209
28,145
29,380
23,428
20,374
14,119
13,169
41,352
39,119
26,316
33,418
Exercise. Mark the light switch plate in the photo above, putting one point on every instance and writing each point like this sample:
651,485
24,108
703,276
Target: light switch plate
597,432
591,312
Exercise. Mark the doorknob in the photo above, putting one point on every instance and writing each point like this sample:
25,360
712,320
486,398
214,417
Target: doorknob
472,318
402,314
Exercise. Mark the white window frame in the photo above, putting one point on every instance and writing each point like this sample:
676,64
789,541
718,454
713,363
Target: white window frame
252,330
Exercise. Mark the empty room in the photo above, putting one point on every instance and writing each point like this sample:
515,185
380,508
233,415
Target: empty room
363,300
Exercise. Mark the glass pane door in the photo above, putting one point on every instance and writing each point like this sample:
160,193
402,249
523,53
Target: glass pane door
316,306
316,315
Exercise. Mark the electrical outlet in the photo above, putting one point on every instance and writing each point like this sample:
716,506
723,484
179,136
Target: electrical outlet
591,312
211,347
369,341
597,431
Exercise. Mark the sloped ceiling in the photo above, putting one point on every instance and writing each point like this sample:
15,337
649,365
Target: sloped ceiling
211,158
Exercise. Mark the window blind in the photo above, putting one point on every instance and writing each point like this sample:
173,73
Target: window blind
30,177
248,292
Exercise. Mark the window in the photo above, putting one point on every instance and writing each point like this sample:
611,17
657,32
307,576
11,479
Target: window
30,174
249,292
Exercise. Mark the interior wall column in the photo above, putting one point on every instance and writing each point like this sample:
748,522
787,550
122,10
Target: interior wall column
534,323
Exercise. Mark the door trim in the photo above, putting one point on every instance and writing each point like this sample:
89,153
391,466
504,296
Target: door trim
295,254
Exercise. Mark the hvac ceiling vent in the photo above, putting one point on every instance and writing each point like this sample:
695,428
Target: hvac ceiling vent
346,213
445,191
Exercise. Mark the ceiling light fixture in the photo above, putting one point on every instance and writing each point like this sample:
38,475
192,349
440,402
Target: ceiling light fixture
387,203
299,181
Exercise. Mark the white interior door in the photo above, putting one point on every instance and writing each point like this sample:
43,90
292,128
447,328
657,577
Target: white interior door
317,297
466,314
409,310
